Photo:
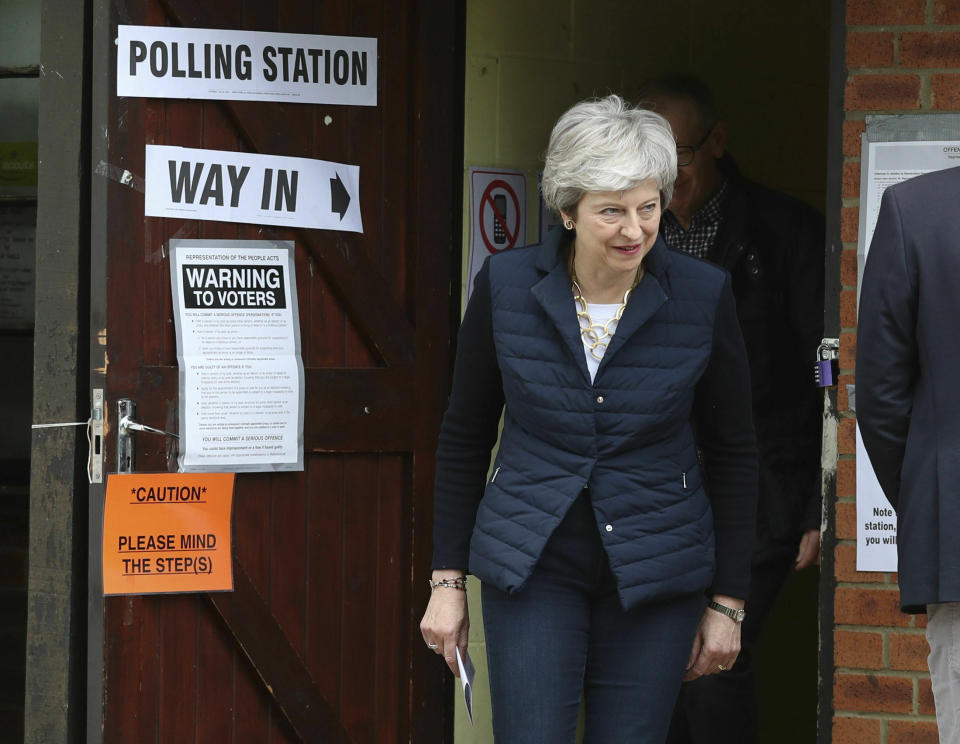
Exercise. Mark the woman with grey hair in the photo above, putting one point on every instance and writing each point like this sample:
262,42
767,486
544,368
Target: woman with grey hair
614,532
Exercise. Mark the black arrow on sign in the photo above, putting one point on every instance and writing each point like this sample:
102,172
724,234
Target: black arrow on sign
339,198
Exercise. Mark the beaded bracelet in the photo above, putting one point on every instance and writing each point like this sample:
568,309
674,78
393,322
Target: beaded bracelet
460,582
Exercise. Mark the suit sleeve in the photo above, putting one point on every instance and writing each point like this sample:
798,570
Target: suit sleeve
725,435
468,431
887,357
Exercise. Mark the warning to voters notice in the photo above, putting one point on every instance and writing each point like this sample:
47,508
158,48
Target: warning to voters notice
167,532
238,347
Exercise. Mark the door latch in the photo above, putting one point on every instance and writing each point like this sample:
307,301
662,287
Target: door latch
95,460
126,447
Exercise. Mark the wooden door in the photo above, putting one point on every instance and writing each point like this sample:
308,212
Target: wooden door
319,641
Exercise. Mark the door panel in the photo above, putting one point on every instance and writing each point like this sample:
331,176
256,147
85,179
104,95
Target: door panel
319,640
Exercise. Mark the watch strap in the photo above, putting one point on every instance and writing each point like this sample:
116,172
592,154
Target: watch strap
735,615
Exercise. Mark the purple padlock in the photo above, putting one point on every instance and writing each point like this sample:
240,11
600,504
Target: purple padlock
825,372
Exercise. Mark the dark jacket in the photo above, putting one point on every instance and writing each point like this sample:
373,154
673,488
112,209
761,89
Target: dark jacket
773,247
908,368
677,355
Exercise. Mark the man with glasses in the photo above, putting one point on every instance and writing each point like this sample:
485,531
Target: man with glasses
773,247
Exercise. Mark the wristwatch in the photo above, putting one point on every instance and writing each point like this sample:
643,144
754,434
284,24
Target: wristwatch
735,615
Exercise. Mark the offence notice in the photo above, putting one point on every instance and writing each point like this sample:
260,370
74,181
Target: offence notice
884,164
238,347
167,533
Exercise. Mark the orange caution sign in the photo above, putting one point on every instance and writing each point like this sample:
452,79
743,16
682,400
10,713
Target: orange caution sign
167,533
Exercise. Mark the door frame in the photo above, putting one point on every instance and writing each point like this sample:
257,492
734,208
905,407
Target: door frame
831,328
54,706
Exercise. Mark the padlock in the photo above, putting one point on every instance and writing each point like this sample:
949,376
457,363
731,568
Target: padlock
827,367
825,372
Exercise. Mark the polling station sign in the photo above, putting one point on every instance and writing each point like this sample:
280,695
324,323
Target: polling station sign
167,533
227,186
203,63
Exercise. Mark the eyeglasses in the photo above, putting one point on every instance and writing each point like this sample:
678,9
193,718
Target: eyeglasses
686,153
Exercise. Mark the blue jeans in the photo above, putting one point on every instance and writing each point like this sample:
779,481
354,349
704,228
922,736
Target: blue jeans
565,634
731,697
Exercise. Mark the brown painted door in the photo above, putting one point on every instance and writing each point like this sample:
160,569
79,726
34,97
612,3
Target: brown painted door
319,640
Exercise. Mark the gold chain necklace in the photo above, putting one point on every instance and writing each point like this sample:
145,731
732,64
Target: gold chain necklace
596,336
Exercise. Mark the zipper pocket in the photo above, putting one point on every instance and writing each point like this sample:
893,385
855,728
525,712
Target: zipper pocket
495,473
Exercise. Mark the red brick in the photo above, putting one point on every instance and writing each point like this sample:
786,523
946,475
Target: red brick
913,732
851,181
946,12
846,476
873,693
856,730
920,621
908,651
847,436
848,309
869,49
849,224
852,129
857,650
946,92
922,49
845,568
872,607
882,92
925,706
846,521
885,12
848,266
848,342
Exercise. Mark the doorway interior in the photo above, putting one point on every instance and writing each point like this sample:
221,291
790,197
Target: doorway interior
526,62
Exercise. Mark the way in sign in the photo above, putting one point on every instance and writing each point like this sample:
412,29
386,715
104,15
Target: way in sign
216,185
185,180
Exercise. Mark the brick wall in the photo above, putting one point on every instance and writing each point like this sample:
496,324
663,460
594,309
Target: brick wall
902,56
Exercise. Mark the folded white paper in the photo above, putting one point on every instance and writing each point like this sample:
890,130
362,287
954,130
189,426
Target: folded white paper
467,673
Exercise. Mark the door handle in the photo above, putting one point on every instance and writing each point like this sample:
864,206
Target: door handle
126,444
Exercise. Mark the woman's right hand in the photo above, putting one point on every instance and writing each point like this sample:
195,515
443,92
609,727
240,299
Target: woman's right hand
446,621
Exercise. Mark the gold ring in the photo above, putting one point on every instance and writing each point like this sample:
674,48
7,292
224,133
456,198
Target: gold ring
721,667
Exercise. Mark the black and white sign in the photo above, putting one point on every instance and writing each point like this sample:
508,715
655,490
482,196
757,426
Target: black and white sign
228,186
170,62
238,349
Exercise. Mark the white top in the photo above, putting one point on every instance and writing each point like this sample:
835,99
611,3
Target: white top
600,315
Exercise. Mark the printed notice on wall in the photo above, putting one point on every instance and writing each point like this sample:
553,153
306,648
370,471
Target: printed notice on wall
167,533
883,165
171,62
498,216
238,347
18,237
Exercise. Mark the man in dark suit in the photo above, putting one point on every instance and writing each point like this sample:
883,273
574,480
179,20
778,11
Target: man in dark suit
908,406
773,247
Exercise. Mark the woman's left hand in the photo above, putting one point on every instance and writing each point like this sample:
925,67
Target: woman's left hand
717,643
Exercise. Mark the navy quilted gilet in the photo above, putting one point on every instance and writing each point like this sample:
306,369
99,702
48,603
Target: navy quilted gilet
628,436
